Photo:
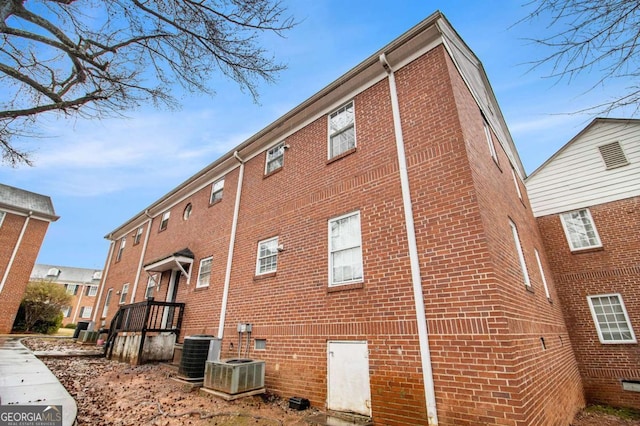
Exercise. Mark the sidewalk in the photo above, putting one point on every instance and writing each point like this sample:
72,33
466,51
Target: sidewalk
25,380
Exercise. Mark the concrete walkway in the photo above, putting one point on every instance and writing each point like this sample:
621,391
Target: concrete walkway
25,380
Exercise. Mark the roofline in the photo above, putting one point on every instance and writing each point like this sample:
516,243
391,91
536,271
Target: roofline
595,121
34,214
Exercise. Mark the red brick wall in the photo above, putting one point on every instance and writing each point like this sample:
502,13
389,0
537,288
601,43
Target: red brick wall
22,265
613,269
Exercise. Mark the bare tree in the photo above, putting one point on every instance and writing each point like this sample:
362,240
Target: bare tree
600,37
95,58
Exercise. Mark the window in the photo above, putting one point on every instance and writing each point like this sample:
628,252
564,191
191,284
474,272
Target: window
515,181
66,311
53,272
107,300
123,294
186,214
92,290
275,158
138,235
544,279
267,256
613,155
85,312
2,215
152,281
72,289
580,230
523,264
345,250
97,275
342,136
611,319
165,220
123,242
204,274
216,191
492,147
261,344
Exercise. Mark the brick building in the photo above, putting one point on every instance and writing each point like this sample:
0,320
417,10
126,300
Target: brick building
586,198
81,283
24,219
379,233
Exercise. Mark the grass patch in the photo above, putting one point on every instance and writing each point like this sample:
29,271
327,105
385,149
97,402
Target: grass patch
623,413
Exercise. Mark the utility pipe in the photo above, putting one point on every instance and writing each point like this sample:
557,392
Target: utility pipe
423,333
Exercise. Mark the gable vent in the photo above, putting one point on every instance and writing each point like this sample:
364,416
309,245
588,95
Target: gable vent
613,155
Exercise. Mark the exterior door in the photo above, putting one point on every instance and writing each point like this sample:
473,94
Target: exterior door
172,292
348,387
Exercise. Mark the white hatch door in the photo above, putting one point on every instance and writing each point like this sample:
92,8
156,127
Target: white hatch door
348,387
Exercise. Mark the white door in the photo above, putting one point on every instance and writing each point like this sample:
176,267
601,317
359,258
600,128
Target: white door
348,377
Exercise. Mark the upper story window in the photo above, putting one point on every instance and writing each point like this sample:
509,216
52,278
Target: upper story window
492,147
72,289
66,311
580,230
123,242
92,290
138,235
611,319
345,250
186,214
342,134
152,282
613,155
204,274
123,294
165,220
523,264
2,215
216,191
275,158
85,311
515,181
542,276
267,256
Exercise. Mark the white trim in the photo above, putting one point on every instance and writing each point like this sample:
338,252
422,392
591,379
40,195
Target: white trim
268,240
105,308
3,214
342,129
142,254
123,294
416,279
597,323
91,287
221,190
198,284
281,145
523,263
15,252
166,213
489,137
77,310
515,182
103,281
332,282
567,233
544,279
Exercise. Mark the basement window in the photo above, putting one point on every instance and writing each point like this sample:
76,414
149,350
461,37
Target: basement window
260,344
613,155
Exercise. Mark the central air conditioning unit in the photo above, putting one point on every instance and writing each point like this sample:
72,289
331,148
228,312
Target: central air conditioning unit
234,376
195,352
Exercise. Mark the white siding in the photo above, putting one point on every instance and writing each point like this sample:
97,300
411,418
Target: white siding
576,176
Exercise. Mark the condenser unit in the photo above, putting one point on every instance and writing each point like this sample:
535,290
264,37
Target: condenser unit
233,376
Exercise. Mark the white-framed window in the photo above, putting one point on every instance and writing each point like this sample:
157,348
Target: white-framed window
53,272
72,289
107,300
260,344
85,311
342,130
275,158
542,276
123,294
204,273
92,290
516,183
123,242
345,250
580,230
267,256
138,235
186,214
611,319
152,282
492,147
66,311
2,215
164,221
523,264
217,189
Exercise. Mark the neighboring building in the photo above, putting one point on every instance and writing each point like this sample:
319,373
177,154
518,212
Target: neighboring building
82,283
586,198
24,219
378,234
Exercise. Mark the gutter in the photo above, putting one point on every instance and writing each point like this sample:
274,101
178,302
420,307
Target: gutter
418,296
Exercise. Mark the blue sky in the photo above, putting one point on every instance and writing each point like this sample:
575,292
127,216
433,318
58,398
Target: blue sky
101,173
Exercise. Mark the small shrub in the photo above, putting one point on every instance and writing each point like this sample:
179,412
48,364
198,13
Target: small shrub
71,325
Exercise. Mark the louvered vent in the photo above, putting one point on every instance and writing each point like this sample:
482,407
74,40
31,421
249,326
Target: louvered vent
613,155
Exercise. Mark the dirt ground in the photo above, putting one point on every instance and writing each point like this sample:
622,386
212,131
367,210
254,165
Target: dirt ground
113,393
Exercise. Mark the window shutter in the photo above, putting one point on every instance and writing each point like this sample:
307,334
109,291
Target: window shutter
613,155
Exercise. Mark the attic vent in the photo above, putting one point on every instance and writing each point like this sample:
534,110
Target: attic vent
613,155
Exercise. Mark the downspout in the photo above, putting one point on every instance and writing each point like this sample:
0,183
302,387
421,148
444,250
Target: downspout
423,333
75,315
103,281
144,250
232,242
15,250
